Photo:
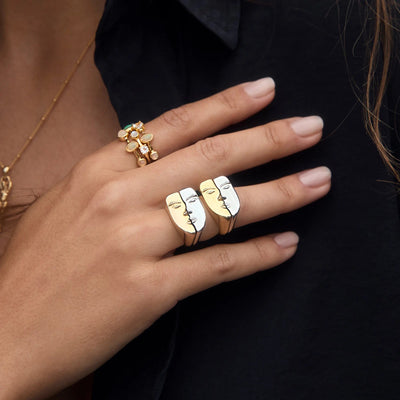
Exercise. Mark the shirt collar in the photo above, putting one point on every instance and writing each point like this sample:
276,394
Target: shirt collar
220,16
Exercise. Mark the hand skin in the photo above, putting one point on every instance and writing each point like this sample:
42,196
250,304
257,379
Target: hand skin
89,267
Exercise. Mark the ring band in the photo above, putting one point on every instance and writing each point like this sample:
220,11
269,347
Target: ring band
223,202
138,143
187,213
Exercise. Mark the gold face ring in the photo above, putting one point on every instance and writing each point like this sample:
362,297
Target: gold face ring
138,142
187,214
222,201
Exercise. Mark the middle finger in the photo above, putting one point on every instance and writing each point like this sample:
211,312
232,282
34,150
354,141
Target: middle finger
229,153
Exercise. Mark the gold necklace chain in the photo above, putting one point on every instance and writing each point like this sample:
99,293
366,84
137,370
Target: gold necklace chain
5,180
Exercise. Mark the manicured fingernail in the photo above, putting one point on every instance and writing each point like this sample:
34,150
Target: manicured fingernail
287,239
316,177
308,126
260,88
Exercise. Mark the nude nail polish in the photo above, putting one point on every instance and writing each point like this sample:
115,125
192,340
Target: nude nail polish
260,88
316,177
307,126
287,239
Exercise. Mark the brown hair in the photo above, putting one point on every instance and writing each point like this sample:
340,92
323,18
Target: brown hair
380,58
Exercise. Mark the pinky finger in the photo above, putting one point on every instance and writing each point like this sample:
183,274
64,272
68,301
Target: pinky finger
190,273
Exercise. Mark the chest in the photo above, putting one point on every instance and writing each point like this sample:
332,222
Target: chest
81,122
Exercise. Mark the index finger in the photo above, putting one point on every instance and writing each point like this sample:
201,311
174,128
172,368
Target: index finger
185,125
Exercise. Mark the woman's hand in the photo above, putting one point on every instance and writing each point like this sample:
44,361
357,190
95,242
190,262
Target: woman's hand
90,267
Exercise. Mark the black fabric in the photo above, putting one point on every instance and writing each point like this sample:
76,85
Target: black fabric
325,324
221,17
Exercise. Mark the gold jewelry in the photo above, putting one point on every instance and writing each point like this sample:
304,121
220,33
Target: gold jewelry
5,180
187,213
138,143
223,202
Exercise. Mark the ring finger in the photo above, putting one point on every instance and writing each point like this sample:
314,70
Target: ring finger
257,202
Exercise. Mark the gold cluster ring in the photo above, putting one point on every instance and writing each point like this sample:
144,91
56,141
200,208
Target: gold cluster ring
138,142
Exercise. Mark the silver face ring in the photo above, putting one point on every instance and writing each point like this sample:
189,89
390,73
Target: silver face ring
187,213
222,201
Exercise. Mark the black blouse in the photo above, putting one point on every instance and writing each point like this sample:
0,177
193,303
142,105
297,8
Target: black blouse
325,325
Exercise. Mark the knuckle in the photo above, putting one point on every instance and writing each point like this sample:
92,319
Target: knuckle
223,263
106,199
261,250
142,281
155,279
150,281
87,174
177,117
85,169
123,235
228,100
82,175
285,190
272,135
130,236
213,149
157,290
147,278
